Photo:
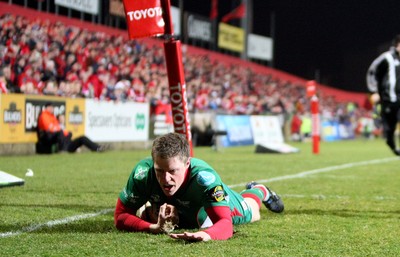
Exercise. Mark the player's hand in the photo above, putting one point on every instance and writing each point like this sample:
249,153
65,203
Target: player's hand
168,218
193,237
168,212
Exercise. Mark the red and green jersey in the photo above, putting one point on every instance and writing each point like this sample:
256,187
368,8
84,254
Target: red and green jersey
202,189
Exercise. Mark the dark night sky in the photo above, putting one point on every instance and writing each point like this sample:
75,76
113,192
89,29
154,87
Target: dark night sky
335,39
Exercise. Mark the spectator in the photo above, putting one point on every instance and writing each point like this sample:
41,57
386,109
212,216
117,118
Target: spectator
49,132
52,133
37,51
295,127
72,145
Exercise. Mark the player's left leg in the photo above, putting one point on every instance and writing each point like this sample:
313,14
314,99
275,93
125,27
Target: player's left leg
255,208
268,197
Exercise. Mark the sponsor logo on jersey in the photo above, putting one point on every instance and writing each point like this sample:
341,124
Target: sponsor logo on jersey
141,172
218,194
183,203
132,198
205,178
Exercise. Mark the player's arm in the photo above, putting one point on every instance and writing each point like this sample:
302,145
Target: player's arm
125,219
222,228
376,72
381,71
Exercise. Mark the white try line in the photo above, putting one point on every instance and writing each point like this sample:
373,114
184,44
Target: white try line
326,169
106,211
323,197
55,222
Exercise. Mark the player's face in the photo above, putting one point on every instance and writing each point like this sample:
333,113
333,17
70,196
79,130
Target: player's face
170,173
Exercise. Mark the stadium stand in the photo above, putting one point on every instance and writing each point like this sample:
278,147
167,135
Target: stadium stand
53,55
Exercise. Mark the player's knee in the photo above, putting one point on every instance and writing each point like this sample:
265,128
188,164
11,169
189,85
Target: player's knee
255,209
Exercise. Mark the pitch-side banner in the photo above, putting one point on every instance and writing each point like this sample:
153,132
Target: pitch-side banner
88,6
238,128
116,122
144,18
266,129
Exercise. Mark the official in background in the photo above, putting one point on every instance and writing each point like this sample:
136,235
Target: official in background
51,137
383,81
52,134
72,145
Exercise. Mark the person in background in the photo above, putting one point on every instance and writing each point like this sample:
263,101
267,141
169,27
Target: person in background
383,81
72,145
186,192
51,131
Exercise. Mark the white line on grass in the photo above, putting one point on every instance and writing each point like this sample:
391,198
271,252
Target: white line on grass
326,169
322,197
55,222
298,175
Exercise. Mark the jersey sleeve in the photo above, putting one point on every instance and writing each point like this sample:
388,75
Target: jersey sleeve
215,200
376,71
209,183
133,195
221,218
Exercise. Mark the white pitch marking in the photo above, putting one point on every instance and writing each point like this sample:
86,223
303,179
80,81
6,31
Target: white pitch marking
323,197
55,222
326,169
298,175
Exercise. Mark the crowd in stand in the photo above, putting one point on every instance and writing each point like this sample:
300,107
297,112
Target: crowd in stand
41,57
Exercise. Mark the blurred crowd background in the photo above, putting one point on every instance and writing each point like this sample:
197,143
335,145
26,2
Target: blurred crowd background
51,58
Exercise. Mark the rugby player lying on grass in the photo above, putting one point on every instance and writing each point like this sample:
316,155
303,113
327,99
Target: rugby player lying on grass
187,193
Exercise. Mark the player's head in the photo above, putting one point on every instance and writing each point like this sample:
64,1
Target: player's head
171,145
171,156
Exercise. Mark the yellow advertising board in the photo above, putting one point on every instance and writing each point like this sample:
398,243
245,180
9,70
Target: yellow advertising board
75,116
12,118
19,114
230,37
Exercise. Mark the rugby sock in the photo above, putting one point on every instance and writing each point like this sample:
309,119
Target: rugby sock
264,190
253,194
256,193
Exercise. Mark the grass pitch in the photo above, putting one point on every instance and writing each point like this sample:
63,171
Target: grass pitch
341,202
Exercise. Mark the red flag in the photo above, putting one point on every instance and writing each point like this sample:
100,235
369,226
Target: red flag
214,9
237,13
144,18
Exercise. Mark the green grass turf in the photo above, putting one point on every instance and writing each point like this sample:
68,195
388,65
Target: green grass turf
347,211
